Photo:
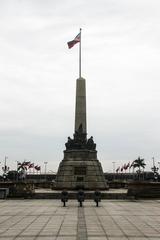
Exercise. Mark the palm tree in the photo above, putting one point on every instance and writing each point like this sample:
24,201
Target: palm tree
139,163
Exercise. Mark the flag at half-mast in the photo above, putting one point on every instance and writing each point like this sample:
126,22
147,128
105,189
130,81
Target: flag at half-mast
77,39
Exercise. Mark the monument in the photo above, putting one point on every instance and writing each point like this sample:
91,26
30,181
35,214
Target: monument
80,168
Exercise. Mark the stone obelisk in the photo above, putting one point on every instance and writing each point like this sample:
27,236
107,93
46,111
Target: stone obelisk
80,167
80,110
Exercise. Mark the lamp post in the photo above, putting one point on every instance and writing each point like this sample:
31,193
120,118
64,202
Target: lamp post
45,169
153,162
114,167
155,170
5,168
17,171
5,161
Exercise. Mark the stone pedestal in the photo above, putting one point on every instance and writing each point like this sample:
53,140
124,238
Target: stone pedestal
80,169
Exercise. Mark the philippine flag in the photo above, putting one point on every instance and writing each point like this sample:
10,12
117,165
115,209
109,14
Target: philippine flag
77,39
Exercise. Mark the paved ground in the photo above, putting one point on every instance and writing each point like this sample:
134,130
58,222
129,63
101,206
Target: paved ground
48,220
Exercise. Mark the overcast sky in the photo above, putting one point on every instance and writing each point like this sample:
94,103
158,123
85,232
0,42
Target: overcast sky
121,65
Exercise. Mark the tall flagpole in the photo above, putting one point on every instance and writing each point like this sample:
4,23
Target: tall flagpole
80,54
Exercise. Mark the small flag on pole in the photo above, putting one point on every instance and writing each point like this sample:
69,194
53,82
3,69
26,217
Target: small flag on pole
38,168
77,39
31,165
117,170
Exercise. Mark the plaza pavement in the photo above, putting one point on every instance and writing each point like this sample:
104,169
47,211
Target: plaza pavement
48,220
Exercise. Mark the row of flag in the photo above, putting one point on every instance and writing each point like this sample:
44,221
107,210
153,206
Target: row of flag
124,167
28,165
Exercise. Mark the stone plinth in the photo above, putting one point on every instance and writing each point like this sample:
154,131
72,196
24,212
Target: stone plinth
80,169
144,189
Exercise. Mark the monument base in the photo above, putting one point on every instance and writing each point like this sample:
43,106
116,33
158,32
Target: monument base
80,169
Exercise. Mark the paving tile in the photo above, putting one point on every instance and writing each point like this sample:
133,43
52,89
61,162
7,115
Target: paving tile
97,238
65,238
45,238
7,238
24,238
117,238
137,238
